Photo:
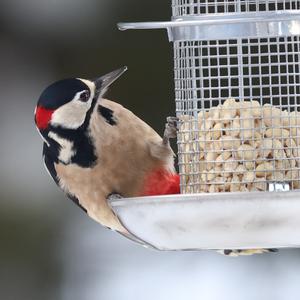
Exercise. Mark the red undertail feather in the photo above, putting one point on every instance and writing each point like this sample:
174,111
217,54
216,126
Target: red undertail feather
161,182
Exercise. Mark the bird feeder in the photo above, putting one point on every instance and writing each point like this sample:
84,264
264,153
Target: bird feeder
237,93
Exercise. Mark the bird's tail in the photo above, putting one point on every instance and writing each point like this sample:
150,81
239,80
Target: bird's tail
161,182
238,252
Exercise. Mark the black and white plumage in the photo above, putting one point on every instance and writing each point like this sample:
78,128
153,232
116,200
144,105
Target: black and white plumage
95,147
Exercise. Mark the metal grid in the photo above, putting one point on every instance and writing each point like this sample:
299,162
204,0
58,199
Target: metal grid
197,7
244,143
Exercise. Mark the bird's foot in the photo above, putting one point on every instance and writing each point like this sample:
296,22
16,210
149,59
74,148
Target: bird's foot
170,129
115,196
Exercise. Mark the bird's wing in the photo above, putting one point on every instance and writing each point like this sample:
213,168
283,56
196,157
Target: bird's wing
50,166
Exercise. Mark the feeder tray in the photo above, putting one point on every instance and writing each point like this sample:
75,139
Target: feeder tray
246,51
213,221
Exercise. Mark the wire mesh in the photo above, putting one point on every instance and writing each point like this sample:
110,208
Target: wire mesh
238,101
197,7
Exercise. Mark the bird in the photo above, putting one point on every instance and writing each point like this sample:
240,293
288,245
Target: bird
95,148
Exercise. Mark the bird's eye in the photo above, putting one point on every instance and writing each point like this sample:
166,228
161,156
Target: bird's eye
84,96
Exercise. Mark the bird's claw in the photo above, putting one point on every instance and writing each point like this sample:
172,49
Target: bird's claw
112,197
170,129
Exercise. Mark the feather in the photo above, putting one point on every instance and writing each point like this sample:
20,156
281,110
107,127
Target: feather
161,182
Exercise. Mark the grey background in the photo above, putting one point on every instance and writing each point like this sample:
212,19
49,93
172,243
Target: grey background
49,249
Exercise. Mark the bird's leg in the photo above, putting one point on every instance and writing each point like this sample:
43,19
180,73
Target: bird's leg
162,150
170,130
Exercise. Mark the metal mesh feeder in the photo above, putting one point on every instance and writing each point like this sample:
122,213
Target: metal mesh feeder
237,92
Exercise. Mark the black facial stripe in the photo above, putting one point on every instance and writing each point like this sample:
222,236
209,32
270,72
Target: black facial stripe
86,122
49,163
107,114
85,151
61,92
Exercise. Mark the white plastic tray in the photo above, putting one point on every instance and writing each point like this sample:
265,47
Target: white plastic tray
213,221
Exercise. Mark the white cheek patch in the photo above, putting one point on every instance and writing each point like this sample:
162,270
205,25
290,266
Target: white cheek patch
67,148
71,115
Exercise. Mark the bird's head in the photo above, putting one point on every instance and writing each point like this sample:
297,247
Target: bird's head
66,104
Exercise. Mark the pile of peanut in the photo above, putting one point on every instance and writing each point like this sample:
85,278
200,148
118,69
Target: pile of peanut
239,146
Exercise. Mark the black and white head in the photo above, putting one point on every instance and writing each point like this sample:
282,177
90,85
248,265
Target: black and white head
64,108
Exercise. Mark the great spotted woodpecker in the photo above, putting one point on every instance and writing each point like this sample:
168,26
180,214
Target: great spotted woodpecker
95,148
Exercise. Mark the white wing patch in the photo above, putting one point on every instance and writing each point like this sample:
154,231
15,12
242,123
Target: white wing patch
67,147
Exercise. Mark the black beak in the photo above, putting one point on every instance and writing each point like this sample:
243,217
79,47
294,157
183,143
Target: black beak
103,82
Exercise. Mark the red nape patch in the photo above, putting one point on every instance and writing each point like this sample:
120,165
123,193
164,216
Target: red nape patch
161,182
43,117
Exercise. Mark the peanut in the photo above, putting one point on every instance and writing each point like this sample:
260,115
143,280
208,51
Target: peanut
249,176
292,174
264,169
213,189
222,157
259,184
256,141
277,133
210,160
292,149
295,132
235,184
253,107
206,124
240,170
204,141
234,128
294,118
285,118
271,116
250,165
229,110
220,180
230,165
278,150
246,152
214,113
266,148
216,132
244,189
208,176
282,164
247,125
276,176
229,143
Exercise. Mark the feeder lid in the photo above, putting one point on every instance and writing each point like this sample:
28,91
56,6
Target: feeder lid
244,220
227,25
